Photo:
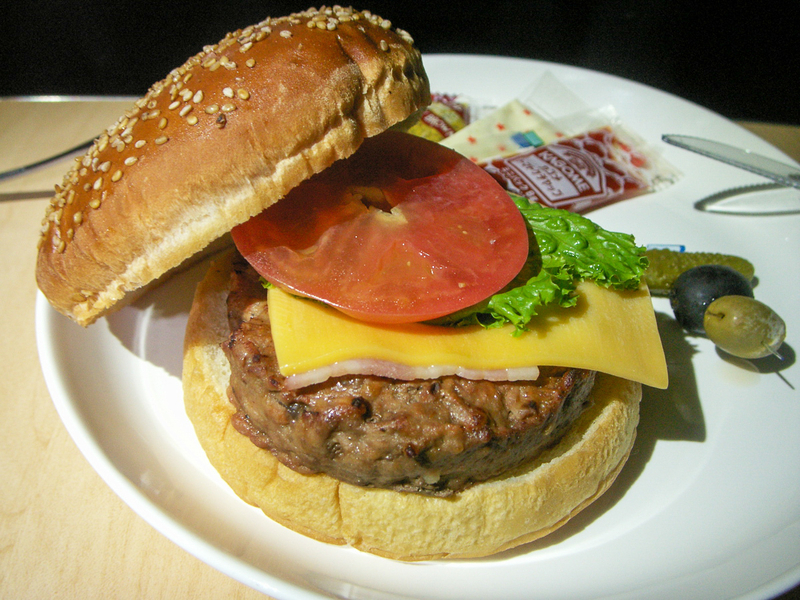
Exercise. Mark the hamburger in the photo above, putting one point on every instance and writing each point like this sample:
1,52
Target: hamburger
416,431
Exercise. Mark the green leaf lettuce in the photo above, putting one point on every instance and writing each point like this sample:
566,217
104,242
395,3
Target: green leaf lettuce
565,248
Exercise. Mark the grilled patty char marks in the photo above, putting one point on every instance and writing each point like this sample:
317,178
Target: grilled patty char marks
429,436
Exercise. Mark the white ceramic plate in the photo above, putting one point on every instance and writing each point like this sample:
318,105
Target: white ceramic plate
708,506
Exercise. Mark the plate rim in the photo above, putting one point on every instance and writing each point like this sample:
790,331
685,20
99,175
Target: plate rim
191,541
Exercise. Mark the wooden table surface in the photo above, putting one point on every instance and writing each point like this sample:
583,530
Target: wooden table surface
63,532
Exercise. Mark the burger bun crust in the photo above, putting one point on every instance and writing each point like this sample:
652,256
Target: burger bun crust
222,137
485,519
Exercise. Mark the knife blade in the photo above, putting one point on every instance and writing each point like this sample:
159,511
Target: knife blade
784,174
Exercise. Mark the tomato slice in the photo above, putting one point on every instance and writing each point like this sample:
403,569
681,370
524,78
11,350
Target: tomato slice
404,230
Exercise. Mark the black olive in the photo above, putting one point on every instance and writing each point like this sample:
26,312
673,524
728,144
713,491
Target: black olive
698,287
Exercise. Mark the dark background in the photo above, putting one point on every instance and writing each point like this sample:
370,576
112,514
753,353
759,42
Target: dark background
740,62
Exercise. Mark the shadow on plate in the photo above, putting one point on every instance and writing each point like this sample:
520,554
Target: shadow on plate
166,302
771,364
674,414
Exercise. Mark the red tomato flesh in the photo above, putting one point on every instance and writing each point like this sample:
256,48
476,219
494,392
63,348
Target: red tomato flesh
405,230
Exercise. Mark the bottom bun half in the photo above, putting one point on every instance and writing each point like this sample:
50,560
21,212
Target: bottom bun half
487,518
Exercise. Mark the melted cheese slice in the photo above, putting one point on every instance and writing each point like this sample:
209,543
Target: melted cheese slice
609,331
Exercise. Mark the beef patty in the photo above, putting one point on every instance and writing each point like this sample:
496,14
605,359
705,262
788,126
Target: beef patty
429,436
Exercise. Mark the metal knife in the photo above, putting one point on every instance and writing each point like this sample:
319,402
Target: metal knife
784,174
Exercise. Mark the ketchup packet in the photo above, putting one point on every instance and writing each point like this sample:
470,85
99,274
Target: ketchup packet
583,172
445,115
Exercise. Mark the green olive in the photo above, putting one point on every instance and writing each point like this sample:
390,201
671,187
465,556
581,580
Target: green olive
744,327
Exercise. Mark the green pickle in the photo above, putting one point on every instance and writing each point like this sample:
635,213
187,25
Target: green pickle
666,265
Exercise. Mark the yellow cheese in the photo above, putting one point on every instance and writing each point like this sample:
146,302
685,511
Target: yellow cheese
609,331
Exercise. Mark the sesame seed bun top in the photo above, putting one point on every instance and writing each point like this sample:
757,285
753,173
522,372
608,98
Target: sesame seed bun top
222,137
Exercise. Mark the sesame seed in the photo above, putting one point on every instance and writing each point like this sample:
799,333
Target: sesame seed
130,160
243,94
95,203
61,247
104,167
161,140
192,120
77,218
229,107
384,45
162,123
185,110
139,144
97,183
70,233
198,97
285,33
227,92
116,176
174,105
246,47
212,109
406,36
251,62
